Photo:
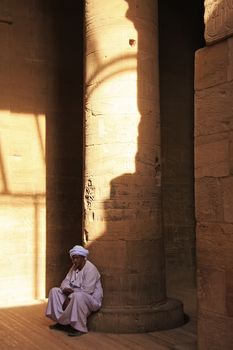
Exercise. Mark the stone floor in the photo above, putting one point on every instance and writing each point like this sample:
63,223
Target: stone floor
26,328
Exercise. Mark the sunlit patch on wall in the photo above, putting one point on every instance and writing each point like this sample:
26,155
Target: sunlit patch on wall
22,207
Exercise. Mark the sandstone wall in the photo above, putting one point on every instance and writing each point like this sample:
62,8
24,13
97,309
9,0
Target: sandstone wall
214,179
41,89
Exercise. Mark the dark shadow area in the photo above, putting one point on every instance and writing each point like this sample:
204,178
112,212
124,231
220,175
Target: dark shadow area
181,33
64,148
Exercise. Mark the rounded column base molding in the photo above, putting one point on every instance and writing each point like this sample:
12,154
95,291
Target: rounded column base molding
138,320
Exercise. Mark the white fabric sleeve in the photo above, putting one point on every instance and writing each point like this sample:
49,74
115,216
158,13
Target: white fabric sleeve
66,282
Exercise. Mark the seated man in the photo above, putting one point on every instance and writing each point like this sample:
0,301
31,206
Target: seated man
80,293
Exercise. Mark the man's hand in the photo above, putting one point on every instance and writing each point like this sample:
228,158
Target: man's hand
65,304
67,291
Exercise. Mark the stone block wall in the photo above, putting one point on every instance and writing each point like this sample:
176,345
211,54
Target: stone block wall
214,182
23,97
40,142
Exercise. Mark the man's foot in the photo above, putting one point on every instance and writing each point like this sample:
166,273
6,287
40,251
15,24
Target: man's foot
60,327
74,333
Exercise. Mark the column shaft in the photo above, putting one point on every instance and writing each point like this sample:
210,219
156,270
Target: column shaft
122,191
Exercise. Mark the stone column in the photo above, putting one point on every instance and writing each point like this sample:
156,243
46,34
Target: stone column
214,177
122,200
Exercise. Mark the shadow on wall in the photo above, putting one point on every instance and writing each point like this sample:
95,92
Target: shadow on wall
64,138
185,26
123,214
112,229
41,88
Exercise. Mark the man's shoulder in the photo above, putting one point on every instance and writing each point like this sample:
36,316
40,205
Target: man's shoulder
90,266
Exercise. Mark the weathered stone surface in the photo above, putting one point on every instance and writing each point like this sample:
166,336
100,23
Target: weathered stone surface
96,229
214,245
208,200
214,110
214,185
211,289
132,287
182,211
230,55
227,184
180,248
122,161
218,20
212,156
214,331
231,153
138,320
229,292
211,66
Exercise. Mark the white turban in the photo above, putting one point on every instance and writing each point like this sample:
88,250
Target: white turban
78,250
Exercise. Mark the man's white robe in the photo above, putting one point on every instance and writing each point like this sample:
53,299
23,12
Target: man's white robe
86,297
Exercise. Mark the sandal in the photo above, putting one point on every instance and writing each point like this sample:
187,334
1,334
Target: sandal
59,327
75,333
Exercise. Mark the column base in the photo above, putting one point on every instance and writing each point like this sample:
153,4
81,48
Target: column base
138,320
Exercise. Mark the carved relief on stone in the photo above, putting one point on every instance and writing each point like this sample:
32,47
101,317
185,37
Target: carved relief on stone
218,20
89,193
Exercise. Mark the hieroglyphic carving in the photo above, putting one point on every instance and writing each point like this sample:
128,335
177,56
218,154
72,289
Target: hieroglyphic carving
89,193
218,20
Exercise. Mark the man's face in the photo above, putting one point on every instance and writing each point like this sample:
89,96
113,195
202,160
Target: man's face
78,261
